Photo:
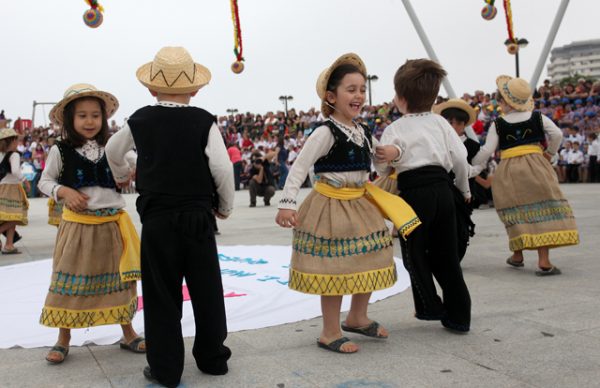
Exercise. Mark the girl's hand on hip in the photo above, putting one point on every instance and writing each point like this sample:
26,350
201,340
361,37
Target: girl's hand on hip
74,200
286,218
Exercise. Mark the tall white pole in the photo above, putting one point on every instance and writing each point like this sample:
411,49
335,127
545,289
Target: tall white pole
426,44
562,8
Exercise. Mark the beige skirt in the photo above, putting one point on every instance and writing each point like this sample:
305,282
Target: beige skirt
388,183
531,205
13,204
340,248
85,287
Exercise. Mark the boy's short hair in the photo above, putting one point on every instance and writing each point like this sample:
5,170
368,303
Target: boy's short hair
418,82
455,114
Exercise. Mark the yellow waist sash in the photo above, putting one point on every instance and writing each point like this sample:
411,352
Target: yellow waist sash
392,207
129,265
520,151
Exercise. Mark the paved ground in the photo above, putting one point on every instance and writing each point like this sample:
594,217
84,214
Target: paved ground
526,331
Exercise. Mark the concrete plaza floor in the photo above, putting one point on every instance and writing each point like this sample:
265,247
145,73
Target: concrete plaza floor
527,331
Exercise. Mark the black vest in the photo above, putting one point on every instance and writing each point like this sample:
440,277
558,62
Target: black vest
5,168
170,144
516,134
472,147
345,155
78,171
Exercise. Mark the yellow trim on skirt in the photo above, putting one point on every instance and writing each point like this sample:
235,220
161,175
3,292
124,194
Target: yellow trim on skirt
129,266
520,151
550,240
391,206
79,319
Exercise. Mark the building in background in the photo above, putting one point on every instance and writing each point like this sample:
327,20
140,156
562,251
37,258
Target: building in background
581,57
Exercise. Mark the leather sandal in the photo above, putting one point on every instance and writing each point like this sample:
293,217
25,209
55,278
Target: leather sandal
335,346
61,351
135,345
517,264
371,330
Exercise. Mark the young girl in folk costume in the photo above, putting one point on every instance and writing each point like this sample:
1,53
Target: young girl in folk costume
527,196
341,245
96,257
13,200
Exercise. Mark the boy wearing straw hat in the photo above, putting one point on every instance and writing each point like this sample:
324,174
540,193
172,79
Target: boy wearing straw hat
527,196
176,207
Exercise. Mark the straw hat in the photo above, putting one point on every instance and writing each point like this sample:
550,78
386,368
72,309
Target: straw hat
7,132
346,59
458,104
173,71
516,92
79,91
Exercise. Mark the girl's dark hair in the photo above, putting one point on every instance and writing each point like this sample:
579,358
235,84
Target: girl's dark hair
456,114
335,79
70,135
5,143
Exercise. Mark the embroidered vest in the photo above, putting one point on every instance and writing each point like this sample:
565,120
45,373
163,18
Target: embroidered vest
78,171
345,155
516,134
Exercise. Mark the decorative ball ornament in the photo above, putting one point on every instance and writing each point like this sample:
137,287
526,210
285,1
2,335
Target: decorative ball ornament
512,48
488,12
93,18
237,67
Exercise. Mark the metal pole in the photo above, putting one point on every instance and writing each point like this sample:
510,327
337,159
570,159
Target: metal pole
33,115
562,8
369,81
517,63
426,44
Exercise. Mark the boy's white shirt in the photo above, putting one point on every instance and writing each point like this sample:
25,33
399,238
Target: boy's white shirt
426,139
219,163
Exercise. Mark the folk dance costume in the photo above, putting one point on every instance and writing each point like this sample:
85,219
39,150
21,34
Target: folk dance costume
430,149
388,182
341,245
13,199
96,257
527,195
182,162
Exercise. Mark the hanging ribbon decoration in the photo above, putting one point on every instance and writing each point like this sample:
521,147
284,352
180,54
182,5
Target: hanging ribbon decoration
238,48
511,43
93,17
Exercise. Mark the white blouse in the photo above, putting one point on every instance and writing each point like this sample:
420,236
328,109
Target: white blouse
99,197
553,133
14,176
426,139
318,145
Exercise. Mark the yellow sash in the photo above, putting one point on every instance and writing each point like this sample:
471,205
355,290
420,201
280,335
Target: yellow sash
520,151
25,200
129,266
392,207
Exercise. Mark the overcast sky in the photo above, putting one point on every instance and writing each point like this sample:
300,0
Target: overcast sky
46,47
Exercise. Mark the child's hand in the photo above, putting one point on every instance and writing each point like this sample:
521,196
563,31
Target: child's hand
74,199
219,215
286,218
27,186
386,153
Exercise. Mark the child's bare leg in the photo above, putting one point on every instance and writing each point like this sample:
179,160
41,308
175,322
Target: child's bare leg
330,307
544,258
517,256
10,236
358,317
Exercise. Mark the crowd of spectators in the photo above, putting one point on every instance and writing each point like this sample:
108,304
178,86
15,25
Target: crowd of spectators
274,140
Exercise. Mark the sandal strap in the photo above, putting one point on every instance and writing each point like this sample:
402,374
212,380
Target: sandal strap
135,343
337,344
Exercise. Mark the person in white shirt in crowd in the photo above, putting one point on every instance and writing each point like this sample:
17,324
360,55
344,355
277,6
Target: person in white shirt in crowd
574,161
594,153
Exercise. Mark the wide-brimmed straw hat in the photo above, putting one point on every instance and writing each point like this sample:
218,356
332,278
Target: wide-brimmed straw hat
111,104
173,71
7,132
516,92
458,104
346,59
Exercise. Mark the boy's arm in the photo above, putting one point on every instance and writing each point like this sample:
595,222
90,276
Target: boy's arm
458,155
221,170
387,138
118,145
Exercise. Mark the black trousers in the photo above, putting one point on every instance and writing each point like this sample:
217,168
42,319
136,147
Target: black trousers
573,173
175,246
594,168
258,190
237,174
431,252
